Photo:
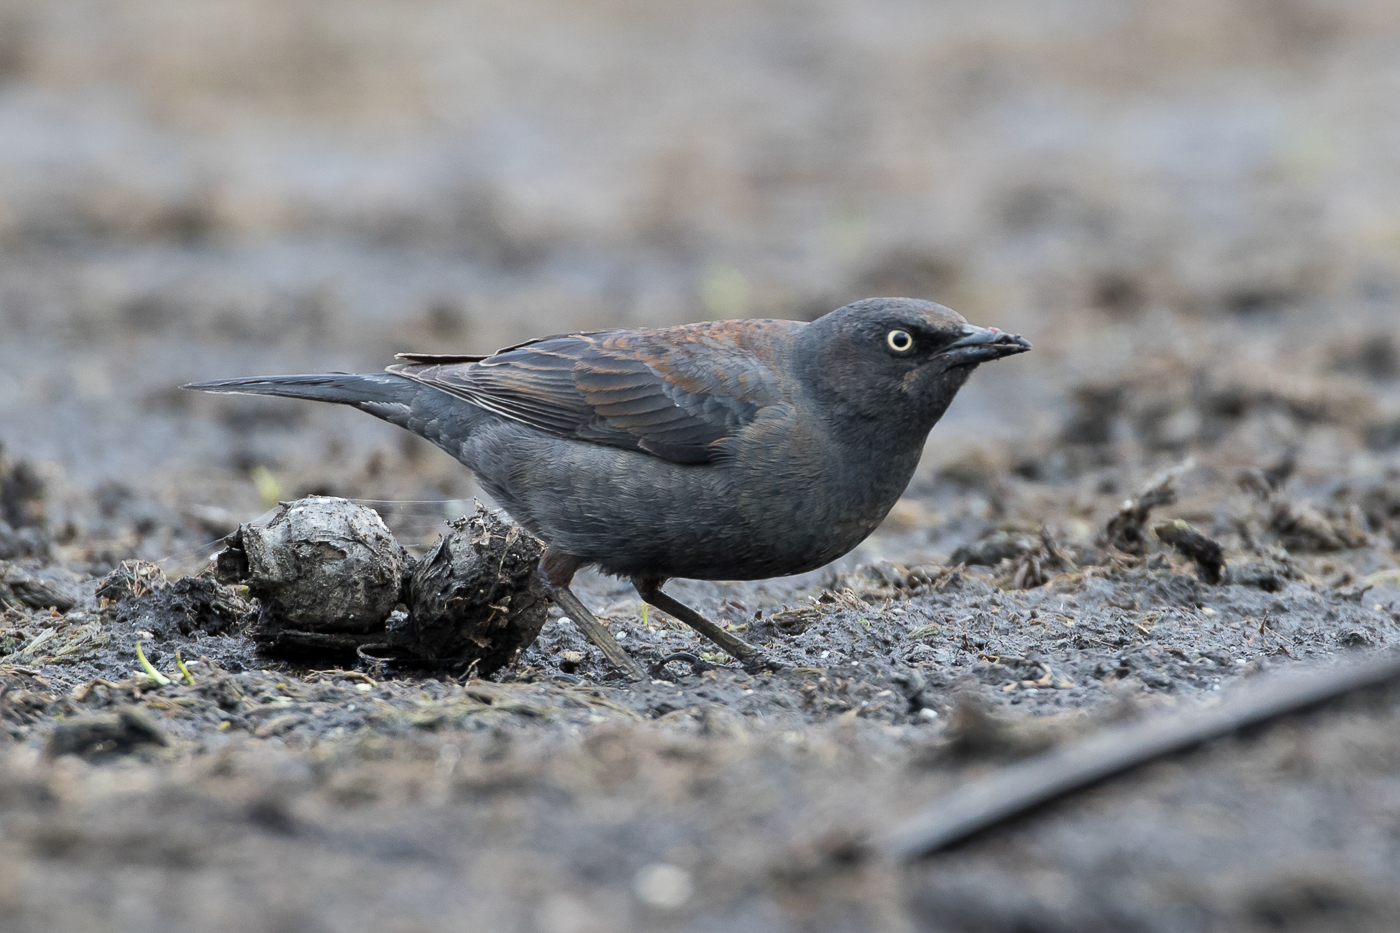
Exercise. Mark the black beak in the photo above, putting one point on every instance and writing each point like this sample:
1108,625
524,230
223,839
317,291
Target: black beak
982,345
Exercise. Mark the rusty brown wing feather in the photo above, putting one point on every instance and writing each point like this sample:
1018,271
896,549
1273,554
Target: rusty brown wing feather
677,393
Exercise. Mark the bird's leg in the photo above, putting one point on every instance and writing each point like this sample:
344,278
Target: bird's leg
558,572
748,655
595,632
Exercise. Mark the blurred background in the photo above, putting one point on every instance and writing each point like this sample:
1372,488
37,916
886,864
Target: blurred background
1192,207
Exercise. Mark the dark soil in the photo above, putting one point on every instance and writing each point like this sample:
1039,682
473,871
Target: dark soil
561,797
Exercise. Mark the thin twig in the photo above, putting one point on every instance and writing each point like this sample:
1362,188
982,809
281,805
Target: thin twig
1036,781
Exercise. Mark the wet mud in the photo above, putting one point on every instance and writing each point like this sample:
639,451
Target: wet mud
558,793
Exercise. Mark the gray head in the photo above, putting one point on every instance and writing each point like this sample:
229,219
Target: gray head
894,364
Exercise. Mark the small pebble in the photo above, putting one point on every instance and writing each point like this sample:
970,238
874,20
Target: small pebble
663,886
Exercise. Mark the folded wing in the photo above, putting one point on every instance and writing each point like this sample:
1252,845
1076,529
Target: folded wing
678,393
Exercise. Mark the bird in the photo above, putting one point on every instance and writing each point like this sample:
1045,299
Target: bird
722,450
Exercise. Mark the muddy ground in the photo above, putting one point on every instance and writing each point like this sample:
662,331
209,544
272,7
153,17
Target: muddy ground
1189,209
558,796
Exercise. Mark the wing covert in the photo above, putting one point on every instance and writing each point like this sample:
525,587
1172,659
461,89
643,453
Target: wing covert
676,393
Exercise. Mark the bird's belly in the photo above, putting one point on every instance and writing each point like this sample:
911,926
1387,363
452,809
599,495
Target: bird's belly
636,515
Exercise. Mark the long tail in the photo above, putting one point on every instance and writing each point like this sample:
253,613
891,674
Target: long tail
344,388
430,413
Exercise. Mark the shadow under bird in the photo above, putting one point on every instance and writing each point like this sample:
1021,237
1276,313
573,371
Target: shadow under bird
733,450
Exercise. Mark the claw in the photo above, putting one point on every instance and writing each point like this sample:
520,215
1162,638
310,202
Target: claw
697,665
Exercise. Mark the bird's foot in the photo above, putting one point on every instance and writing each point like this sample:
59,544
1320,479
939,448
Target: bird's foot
751,657
697,665
758,663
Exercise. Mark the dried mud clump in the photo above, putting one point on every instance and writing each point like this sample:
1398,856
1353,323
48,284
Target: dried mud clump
976,732
322,565
1270,572
994,548
36,588
329,576
22,542
100,735
22,494
1188,540
1127,531
476,597
23,511
138,594
1303,527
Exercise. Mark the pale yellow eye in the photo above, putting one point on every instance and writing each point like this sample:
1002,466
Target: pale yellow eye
900,341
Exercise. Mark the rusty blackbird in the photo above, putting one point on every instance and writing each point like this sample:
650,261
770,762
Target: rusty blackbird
733,450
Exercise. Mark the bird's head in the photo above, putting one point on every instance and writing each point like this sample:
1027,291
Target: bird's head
898,361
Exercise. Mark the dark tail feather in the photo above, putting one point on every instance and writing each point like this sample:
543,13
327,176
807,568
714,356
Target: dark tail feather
344,388
430,413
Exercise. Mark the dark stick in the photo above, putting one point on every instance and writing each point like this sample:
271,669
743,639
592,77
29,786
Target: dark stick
1028,784
594,631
